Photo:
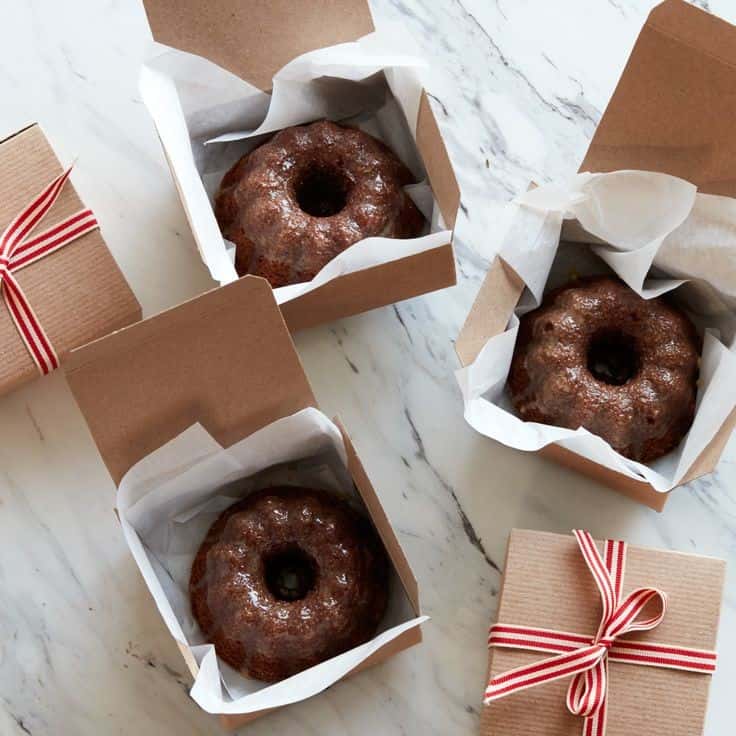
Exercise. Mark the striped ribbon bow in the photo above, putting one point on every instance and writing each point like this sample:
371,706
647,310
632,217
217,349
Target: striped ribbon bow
18,250
586,659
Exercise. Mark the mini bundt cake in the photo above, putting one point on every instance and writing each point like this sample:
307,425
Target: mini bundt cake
597,355
287,578
294,203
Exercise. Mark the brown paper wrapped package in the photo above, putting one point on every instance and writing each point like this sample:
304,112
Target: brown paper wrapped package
199,362
253,41
78,292
547,584
669,113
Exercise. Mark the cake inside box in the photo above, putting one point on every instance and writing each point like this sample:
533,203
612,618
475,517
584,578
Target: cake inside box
595,354
297,201
488,407
208,120
613,358
166,518
546,584
367,105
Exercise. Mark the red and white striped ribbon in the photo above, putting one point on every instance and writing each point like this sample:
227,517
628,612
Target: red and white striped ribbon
585,659
18,250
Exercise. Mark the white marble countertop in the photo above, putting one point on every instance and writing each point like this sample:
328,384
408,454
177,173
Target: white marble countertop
518,88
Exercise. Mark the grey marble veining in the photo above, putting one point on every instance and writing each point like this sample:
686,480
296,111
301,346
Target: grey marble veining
518,88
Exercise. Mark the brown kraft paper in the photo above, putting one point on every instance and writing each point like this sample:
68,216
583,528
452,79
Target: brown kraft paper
547,584
78,292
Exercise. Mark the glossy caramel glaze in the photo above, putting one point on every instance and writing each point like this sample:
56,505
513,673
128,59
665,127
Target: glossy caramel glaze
553,372
259,204
255,630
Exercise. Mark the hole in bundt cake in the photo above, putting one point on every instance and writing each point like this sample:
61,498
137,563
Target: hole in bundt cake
613,357
290,573
322,192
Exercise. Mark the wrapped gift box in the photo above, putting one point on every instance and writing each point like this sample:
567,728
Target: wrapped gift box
547,585
77,292
201,363
192,102
667,115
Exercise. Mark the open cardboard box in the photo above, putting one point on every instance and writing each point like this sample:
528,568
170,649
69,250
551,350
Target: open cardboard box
202,362
253,41
78,292
669,113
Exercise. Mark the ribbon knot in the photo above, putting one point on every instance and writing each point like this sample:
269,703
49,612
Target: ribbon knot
585,659
18,250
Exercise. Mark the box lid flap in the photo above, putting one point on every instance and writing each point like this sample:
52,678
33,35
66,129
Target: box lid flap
255,39
437,162
674,105
224,359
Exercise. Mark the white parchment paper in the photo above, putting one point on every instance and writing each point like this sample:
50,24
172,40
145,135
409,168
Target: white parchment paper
168,501
208,118
658,234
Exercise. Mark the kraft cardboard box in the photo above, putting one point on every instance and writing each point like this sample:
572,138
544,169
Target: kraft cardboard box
76,292
194,372
546,585
211,108
666,115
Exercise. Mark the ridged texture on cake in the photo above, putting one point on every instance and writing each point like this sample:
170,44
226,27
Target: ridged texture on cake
257,206
258,633
550,380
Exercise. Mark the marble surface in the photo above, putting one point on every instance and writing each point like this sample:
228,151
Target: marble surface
518,88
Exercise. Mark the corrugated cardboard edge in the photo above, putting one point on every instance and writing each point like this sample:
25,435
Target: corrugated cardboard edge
254,40
709,457
26,127
437,162
380,520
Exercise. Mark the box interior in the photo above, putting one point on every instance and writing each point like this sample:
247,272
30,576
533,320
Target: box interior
368,104
171,517
574,260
